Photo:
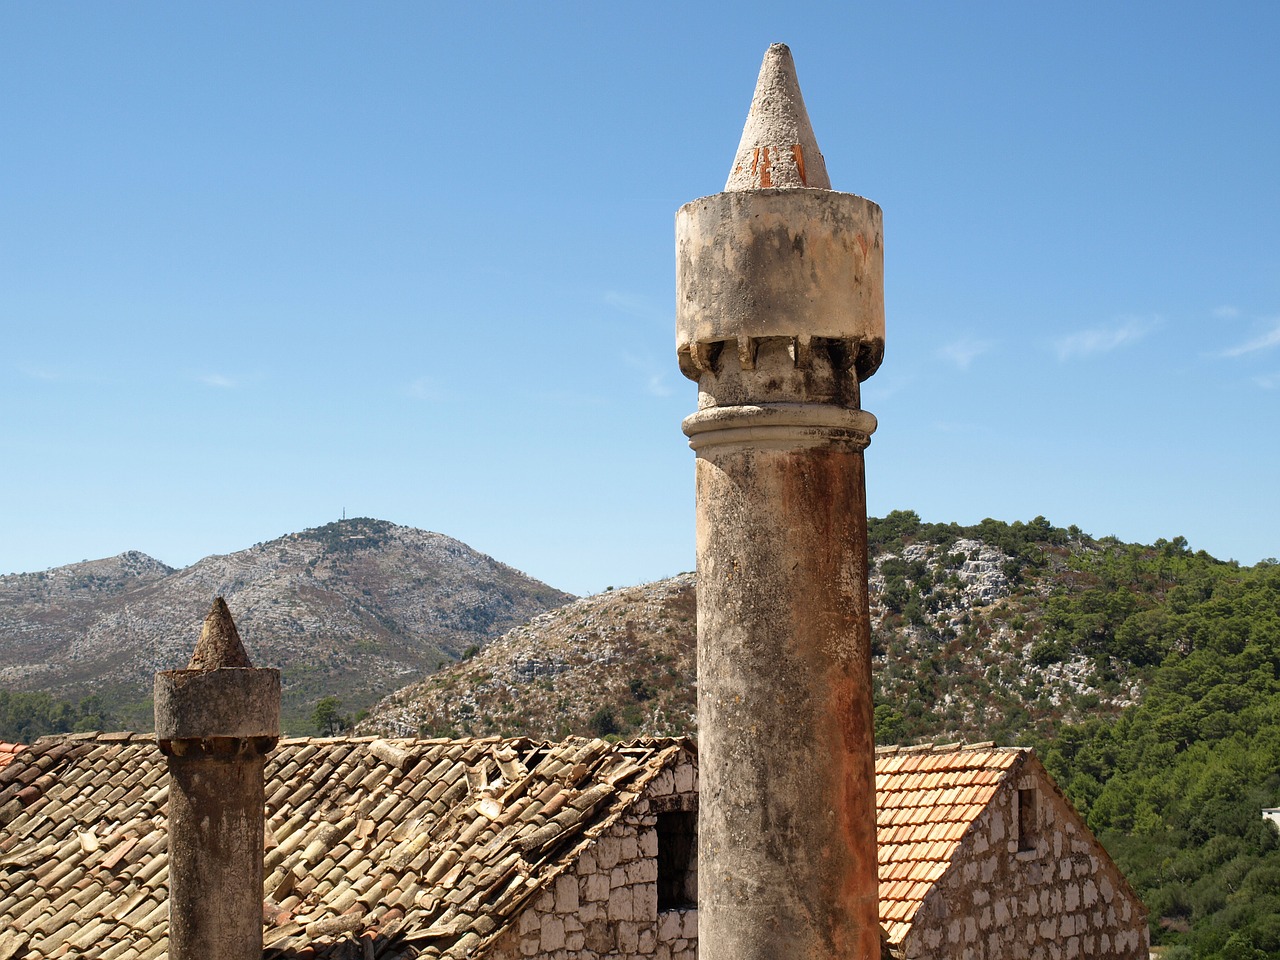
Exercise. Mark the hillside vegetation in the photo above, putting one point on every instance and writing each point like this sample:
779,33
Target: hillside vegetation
966,639
1167,734
1175,789
26,716
619,663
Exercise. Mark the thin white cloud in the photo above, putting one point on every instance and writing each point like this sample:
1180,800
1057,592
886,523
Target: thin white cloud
638,307
959,428
656,380
42,373
1268,381
1097,340
1226,312
58,375
885,385
962,353
1264,341
658,385
424,388
218,380
628,303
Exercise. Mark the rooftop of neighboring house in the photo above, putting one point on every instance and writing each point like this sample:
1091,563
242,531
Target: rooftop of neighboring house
8,751
927,799
427,845
410,845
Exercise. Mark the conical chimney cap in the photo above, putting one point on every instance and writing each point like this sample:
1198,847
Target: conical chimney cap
219,644
778,148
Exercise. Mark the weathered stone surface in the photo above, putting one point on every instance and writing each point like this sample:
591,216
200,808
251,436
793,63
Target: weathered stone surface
786,749
226,702
339,819
779,315
219,644
216,721
779,263
778,148
1055,897
215,856
606,906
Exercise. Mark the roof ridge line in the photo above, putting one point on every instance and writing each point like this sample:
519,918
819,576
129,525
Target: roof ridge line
957,746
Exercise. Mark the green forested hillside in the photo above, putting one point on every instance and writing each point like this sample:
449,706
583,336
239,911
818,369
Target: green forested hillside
1176,787
26,716
1007,630
1174,783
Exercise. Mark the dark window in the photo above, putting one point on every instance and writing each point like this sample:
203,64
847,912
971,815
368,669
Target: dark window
677,859
1028,825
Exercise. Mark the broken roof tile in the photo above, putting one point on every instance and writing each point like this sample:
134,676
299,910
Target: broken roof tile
361,826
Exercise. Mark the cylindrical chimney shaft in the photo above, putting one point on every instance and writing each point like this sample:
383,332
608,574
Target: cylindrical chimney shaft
779,316
216,722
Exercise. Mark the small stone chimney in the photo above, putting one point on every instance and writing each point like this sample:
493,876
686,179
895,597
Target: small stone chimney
779,316
216,721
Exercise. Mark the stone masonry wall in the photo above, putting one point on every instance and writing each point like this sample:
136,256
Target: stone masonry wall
1060,901
606,904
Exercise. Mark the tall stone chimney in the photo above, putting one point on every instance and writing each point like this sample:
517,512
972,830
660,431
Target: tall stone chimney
216,721
779,316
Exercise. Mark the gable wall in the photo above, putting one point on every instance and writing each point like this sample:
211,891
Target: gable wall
606,904
1062,901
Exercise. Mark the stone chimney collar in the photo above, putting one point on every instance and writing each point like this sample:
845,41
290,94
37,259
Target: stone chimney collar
778,148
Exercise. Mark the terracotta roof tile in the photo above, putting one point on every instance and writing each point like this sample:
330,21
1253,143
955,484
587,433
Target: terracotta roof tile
928,799
357,827
892,910
360,829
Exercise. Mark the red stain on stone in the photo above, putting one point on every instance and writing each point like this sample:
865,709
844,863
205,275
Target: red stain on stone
826,487
760,164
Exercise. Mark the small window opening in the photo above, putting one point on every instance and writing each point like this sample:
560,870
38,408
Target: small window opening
1028,824
677,859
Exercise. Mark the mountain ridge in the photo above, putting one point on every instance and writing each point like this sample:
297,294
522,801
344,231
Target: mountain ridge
963,647
358,605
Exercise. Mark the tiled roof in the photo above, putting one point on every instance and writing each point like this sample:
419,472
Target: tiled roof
927,798
412,847
388,841
7,752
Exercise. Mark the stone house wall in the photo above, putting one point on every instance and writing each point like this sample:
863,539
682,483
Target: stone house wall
1029,882
606,905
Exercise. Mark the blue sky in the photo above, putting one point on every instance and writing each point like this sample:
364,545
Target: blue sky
261,263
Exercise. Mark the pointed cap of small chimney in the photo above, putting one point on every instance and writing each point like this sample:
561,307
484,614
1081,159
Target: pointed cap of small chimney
219,644
778,148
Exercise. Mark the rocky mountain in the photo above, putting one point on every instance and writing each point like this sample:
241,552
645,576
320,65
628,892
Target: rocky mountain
354,609
963,643
957,644
622,661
